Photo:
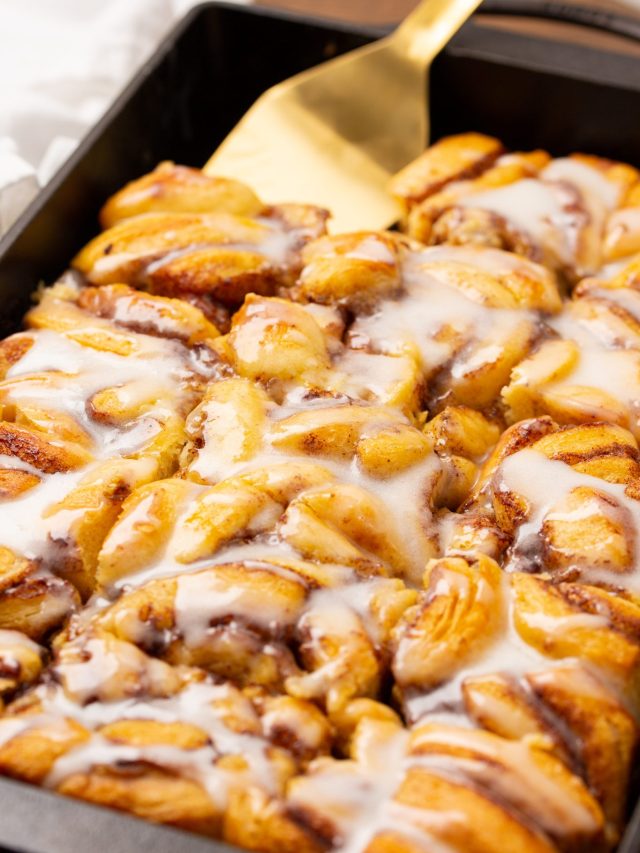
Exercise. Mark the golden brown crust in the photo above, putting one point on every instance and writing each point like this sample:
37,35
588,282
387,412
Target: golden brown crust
172,188
453,158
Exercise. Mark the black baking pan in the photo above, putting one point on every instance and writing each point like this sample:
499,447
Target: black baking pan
531,92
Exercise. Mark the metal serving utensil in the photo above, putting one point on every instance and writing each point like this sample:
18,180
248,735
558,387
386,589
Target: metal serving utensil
335,134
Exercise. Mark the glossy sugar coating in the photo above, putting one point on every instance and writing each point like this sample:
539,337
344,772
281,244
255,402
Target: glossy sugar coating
318,542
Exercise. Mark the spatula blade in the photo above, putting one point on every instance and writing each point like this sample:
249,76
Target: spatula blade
286,153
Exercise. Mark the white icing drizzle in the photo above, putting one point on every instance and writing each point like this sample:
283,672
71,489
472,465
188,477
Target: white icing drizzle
33,522
267,553
370,248
195,704
275,246
369,376
591,182
625,297
558,626
623,233
356,796
430,305
613,371
14,463
519,779
10,727
197,764
409,822
26,526
278,242
59,373
544,482
492,261
16,640
540,209
335,605
555,208
201,599
612,268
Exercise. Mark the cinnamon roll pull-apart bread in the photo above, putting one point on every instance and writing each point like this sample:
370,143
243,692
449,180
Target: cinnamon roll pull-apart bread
329,543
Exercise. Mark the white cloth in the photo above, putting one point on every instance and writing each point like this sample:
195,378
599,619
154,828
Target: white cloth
62,63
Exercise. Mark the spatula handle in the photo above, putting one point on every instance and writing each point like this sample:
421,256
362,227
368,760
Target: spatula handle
423,34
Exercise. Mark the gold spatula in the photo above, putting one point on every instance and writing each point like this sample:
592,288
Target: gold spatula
333,135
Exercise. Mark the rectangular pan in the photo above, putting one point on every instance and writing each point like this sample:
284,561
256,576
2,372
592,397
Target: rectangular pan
529,92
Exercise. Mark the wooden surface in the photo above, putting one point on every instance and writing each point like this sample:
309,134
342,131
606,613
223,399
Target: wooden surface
391,11
370,11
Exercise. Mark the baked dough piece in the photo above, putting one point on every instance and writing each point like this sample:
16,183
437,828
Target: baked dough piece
573,214
589,369
568,497
310,631
622,235
178,189
451,159
296,353
466,315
